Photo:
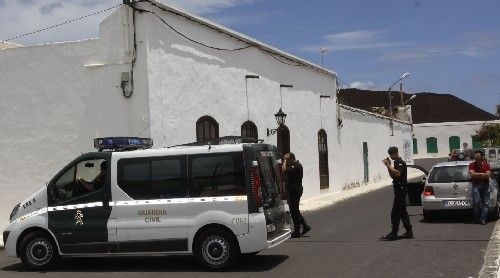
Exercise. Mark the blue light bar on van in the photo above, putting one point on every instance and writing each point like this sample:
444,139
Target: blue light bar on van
122,143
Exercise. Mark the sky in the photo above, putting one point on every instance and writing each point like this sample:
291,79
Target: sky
447,46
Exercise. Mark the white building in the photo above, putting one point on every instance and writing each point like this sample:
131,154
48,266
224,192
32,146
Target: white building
441,122
164,73
438,139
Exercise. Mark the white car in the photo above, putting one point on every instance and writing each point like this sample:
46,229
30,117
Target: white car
449,187
213,201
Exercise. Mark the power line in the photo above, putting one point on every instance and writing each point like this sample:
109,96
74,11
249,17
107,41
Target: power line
188,38
60,24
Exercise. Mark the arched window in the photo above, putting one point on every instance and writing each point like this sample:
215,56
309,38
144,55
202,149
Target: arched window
249,130
283,140
207,128
323,159
454,142
432,146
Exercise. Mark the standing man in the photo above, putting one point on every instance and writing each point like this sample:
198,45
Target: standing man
293,175
479,171
398,213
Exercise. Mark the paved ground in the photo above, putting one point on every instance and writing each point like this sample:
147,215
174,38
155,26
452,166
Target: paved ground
344,243
427,163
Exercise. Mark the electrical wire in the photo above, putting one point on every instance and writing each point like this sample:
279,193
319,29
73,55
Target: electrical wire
60,24
270,53
188,38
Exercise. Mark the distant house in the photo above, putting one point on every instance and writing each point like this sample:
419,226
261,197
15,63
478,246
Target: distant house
442,122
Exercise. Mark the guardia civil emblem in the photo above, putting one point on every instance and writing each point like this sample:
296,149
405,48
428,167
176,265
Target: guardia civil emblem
79,217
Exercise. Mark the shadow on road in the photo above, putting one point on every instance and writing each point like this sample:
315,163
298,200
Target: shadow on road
258,263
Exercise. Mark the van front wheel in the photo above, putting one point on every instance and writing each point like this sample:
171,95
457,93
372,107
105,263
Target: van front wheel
38,251
217,249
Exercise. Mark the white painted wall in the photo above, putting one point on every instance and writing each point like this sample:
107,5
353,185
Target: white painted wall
359,127
443,131
54,104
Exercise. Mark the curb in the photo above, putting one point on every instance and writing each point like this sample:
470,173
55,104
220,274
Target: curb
333,198
491,265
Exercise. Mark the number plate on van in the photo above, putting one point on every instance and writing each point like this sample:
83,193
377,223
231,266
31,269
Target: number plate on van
456,203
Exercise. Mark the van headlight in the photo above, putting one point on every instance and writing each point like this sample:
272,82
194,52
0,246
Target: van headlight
14,212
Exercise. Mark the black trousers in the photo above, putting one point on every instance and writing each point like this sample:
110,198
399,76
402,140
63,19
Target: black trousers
399,212
293,204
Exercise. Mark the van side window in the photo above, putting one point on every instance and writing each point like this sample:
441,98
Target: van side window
153,178
216,175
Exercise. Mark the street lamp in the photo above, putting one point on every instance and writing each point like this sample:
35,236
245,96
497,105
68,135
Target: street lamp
412,97
249,76
280,116
323,51
405,75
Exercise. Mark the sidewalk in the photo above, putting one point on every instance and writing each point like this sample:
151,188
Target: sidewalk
329,199
491,265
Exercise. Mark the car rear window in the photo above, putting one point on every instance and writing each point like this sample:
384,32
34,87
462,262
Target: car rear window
449,174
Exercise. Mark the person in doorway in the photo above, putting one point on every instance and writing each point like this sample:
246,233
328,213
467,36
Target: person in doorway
480,172
398,174
293,178
98,181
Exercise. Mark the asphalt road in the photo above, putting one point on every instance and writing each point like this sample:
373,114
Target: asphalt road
427,163
343,243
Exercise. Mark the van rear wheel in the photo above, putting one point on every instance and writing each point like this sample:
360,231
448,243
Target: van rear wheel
38,251
216,249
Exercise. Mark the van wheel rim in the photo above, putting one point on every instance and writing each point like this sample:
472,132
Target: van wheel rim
39,252
215,250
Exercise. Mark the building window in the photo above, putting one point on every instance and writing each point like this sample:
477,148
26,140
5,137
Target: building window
323,159
476,144
207,128
415,146
249,130
454,142
432,146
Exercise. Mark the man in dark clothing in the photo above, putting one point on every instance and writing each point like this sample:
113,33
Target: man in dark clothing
293,177
480,172
398,213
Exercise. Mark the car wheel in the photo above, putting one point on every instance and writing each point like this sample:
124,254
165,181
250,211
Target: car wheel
38,251
216,249
428,215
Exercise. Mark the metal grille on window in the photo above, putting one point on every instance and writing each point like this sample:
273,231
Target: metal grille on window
207,128
249,130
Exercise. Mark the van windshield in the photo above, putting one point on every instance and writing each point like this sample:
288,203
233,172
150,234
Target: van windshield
450,174
269,168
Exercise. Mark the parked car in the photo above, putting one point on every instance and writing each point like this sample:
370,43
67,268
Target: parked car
415,187
449,187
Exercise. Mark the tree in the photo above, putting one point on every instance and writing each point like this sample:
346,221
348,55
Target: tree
488,134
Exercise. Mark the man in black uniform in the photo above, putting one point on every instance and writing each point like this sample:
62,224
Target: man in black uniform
398,175
293,173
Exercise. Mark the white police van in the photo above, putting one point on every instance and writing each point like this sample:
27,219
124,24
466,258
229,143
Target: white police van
214,201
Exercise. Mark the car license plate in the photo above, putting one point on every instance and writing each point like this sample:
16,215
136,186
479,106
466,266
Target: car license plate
456,203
